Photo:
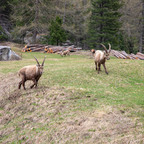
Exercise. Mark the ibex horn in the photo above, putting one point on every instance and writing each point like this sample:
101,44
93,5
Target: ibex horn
43,61
36,60
104,48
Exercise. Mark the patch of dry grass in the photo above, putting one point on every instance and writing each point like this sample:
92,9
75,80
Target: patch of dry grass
48,114
107,126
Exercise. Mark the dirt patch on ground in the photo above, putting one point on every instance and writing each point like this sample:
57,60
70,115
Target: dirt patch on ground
7,83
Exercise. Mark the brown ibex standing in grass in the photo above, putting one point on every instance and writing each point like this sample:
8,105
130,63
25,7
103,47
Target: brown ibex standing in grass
32,72
101,57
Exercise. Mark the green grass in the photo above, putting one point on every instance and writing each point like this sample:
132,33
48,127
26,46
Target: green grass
124,85
122,89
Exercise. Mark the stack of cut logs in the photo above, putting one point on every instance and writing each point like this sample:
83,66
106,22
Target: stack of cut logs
48,48
124,55
58,49
33,48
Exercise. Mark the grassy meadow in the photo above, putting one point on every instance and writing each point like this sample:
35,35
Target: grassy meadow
73,104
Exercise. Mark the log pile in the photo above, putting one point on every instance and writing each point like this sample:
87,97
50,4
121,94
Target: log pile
124,55
59,49
140,56
33,48
48,48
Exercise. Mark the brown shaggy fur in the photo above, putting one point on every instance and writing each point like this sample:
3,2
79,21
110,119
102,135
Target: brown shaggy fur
64,53
101,57
33,73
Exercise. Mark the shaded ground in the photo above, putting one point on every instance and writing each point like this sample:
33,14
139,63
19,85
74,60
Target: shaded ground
47,115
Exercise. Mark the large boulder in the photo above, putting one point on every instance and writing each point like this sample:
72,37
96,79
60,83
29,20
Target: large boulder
7,54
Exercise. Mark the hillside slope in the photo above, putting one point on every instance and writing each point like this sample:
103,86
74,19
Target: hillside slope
73,104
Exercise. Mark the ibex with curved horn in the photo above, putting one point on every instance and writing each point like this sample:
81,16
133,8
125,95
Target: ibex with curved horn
101,57
32,72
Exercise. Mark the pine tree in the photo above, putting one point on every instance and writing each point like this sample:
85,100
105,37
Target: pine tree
104,22
57,33
75,16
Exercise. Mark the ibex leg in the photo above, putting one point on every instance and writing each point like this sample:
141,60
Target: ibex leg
96,65
20,83
34,83
105,68
99,65
23,83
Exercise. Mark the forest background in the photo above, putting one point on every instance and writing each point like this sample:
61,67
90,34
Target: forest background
86,23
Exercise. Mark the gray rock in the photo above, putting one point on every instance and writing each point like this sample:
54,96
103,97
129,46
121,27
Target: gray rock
28,39
7,54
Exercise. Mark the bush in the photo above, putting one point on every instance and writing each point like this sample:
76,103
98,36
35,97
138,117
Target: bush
126,43
57,33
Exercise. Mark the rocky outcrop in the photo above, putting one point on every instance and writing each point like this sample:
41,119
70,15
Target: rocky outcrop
28,39
7,54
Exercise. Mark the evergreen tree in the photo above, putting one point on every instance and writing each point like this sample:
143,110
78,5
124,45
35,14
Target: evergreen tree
104,22
57,33
75,15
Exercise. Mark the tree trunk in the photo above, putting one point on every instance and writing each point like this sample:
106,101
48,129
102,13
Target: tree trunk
140,42
142,35
34,35
57,42
35,32
64,12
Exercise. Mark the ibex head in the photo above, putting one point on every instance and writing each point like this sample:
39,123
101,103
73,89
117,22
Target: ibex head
107,52
93,51
40,67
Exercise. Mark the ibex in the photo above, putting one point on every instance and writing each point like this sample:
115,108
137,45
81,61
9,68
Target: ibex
66,52
32,72
101,57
